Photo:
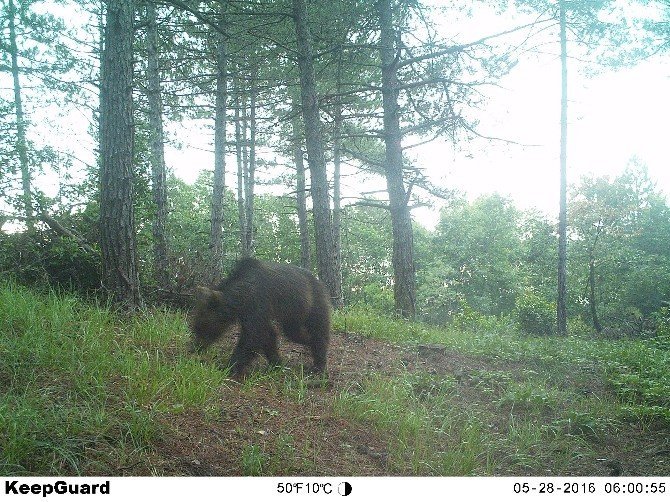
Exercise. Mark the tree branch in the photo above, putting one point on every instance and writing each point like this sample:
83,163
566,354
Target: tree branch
457,48
64,232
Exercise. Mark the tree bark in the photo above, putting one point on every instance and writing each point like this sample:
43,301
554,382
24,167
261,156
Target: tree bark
117,217
157,153
561,303
404,285
337,169
216,232
301,194
315,155
337,198
240,168
21,142
250,171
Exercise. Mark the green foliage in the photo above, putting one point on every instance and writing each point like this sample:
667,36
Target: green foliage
78,378
662,322
539,253
49,260
373,297
535,315
620,226
476,249
578,327
276,236
366,258
428,437
468,319
253,460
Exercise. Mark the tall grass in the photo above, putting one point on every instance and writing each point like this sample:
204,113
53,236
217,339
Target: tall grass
427,435
540,403
83,386
85,390
637,370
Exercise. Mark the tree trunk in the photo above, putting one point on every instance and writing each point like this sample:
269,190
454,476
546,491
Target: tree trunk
157,154
251,171
301,194
315,155
561,308
592,294
117,218
21,143
337,198
404,286
216,233
240,169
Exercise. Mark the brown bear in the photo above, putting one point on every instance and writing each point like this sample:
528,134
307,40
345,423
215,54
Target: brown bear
263,298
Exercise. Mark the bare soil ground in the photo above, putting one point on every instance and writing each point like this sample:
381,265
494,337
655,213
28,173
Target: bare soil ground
297,431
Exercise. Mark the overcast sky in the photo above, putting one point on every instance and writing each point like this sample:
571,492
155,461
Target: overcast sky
613,117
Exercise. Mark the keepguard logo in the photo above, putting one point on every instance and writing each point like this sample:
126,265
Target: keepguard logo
56,488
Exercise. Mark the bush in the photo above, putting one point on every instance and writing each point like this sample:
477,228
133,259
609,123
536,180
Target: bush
375,298
46,259
535,315
662,321
579,328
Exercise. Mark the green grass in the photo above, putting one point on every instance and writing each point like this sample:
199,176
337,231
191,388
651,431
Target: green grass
274,458
552,402
87,391
637,370
83,386
426,435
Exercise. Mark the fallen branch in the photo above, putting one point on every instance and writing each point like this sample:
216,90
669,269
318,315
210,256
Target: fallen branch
64,232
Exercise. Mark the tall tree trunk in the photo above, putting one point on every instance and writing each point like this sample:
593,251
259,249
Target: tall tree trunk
404,286
21,143
337,167
301,193
216,233
251,170
240,169
157,154
337,198
315,155
117,217
561,308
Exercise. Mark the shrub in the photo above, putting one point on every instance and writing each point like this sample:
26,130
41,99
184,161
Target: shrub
46,259
662,321
535,315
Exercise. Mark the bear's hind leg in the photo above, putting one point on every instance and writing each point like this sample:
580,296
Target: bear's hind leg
319,334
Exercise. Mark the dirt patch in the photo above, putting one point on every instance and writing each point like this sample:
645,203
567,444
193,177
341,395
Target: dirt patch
291,430
285,425
288,437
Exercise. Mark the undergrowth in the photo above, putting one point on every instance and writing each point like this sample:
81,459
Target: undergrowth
635,370
83,386
87,391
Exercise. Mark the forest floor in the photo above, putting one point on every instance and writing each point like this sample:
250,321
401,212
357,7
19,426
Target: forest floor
281,423
87,391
